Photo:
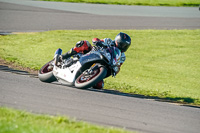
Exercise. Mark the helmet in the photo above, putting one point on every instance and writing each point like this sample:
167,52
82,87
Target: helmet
123,41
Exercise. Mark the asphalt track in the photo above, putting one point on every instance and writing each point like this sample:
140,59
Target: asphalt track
31,16
109,108
102,107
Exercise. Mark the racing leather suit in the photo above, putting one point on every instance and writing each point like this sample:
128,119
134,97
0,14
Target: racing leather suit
84,47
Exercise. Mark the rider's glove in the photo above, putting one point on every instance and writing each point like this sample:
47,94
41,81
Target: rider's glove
100,44
97,42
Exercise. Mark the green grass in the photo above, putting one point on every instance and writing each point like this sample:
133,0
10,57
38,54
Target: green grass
14,121
159,63
139,2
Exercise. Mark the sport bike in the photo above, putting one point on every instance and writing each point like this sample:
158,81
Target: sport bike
82,70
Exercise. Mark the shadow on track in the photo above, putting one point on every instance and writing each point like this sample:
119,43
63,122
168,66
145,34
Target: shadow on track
186,101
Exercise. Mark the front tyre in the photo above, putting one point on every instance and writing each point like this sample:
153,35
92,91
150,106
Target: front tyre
45,75
86,79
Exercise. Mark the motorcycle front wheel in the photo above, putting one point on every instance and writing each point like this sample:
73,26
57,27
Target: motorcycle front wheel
89,79
45,75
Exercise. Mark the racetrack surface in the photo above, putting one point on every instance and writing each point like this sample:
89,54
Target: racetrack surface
104,107
33,16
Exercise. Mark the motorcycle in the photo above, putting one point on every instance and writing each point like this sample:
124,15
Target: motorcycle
82,70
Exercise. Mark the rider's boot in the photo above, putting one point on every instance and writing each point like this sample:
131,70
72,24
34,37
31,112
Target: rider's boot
99,85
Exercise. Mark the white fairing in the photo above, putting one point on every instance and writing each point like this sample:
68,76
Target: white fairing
67,74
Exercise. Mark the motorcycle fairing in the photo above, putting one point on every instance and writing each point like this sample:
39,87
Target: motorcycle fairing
90,57
70,73
67,74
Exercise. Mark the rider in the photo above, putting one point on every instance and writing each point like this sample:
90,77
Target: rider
122,41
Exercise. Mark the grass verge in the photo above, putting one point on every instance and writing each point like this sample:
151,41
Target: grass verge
159,63
138,2
14,121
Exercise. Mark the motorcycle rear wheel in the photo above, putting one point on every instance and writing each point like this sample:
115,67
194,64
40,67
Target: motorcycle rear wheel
86,82
45,75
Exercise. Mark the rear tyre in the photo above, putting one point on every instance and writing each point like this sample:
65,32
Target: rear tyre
89,80
45,75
